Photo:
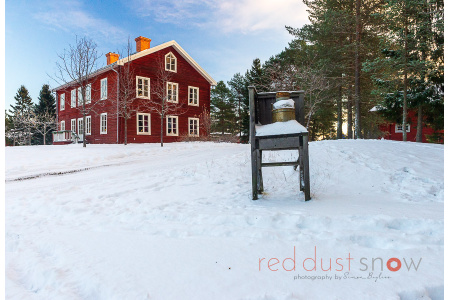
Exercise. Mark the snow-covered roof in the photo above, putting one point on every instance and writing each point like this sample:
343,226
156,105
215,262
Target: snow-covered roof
279,128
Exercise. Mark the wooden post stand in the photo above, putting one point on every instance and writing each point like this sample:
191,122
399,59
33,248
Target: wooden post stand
261,114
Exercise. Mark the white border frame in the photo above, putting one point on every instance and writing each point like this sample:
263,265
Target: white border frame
167,91
73,98
198,127
61,125
165,62
88,93
78,125
137,89
62,103
149,124
72,125
189,95
90,125
101,92
167,126
408,128
106,118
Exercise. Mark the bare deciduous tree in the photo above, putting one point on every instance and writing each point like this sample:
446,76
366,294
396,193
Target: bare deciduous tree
22,129
164,100
76,69
43,123
311,79
205,123
127,91
317,87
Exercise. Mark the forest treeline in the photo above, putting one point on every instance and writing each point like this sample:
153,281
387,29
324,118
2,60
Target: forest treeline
353,56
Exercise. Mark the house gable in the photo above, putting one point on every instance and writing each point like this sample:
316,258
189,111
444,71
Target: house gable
178,49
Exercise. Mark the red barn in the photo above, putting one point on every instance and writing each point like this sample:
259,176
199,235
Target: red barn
189,87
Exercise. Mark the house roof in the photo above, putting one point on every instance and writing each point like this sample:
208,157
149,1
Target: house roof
180,50
142,53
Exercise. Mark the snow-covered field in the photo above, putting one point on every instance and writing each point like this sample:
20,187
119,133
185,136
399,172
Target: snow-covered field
144,222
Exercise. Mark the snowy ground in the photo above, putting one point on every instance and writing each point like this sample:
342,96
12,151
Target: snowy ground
141,222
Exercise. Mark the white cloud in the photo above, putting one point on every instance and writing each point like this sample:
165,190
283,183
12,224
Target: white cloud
245,16
70,16
259,15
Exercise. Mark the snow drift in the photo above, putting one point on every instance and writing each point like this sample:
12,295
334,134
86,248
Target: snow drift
145,222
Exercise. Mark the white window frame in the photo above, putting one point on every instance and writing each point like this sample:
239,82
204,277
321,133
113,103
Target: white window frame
62,101
167,126
172,63
144,80
105,117
80,126
63,125
195,120
193,88
104,89
79,97
171,96
88,93
73,125
149,124
73,98
397,126
88,125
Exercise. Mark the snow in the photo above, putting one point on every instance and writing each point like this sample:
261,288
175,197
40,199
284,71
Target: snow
288,127
289,103
178,222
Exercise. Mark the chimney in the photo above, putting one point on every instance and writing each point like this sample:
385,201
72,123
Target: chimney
142,43
111,58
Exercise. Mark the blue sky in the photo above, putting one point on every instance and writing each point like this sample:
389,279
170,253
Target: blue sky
223,36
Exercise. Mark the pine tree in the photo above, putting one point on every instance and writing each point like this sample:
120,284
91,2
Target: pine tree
410,73
239,93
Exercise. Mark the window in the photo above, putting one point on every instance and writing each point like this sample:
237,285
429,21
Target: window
103,88
80,97
142,87
193,96
172,92
62,102
172,126
73,125
399,128
88,125
143,123
80,126
193,126
63,125
73,98
88,93
103,123
171,62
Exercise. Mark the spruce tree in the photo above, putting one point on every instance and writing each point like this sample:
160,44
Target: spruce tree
45,106
222,109
20,114
23,104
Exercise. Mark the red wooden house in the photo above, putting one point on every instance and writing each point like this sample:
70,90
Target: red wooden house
393,131
189,86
